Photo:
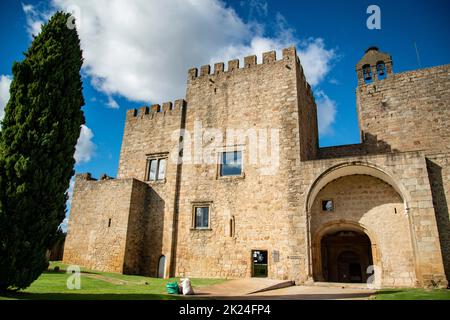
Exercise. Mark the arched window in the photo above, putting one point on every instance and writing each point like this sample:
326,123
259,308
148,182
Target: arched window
381,70
367,73
162,267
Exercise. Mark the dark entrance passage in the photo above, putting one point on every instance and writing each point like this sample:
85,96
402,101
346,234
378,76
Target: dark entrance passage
346,256
259,263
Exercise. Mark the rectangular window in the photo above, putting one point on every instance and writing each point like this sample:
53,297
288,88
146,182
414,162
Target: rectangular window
157,169
327,205
162,169
231,164
153,166
201,216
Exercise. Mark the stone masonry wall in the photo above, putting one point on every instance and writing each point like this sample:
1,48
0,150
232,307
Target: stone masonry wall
154,131
99,225
257,96
406,111
268,206
409,171
137,227
438,166
373,203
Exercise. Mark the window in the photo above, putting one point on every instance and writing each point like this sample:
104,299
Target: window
232,226
327,205
201,217
162,169
156,169
231,164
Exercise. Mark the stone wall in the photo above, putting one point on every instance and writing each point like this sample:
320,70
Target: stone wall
102,226
349,150
154,131
374,204
407,173
398,198
406,111
137,226
438,166
263,204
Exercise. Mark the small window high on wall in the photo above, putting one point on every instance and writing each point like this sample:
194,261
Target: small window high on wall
231,164
201,217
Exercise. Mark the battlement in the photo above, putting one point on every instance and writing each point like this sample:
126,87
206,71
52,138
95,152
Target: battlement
157,109
289,54
87,176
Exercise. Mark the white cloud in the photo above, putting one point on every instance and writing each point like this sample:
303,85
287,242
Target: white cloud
257,8
112,103
35,17
5,82
326,113
70,191
142,49
316,60
65,222
85,147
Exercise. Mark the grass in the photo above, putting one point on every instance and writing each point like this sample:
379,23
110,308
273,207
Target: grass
95,285
412,294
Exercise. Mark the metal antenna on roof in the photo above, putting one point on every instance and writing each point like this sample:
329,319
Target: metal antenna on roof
417,54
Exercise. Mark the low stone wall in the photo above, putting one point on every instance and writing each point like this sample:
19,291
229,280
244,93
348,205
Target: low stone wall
102,231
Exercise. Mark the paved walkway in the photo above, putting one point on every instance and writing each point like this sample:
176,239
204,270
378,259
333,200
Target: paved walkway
268,289
314,293
242,287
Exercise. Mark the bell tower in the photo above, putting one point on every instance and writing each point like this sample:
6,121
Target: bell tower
373,66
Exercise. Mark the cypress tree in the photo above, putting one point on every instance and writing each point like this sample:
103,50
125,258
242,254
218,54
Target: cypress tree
37,143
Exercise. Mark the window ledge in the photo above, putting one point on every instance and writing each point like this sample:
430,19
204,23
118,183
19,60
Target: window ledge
201,229
242,176
156,181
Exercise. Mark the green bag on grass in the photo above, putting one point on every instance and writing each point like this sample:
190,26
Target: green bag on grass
172,287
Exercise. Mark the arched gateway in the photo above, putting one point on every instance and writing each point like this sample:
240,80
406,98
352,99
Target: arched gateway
343,252
356,212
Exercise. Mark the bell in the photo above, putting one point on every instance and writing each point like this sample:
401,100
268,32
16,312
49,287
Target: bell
367,74
380,69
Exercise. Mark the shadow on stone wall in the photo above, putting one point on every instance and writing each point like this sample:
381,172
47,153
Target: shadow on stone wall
441,210
153,233
370,146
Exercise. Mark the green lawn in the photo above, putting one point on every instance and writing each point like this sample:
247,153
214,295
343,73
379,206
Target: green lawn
413,294
97,285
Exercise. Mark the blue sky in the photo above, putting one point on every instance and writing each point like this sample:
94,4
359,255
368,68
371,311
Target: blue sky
131,62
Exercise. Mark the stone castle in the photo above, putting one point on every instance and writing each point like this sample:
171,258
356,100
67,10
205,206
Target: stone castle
231,182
